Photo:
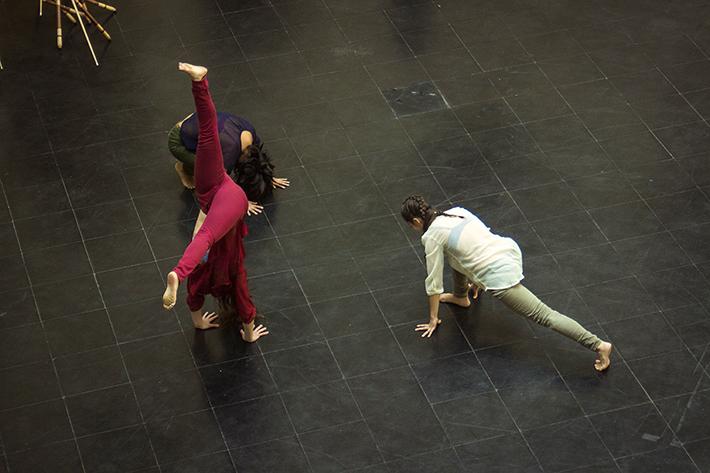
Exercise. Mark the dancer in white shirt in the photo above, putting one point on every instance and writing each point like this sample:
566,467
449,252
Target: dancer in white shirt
482,259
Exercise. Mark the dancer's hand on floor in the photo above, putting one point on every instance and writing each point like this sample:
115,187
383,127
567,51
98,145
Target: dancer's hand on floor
254,208
255,334
429,328
280,182
207,321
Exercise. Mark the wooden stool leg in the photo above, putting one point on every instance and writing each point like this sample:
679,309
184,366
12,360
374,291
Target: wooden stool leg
83,28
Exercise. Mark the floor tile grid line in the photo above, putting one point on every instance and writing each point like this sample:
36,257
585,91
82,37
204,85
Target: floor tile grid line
685,99
498,396
325,340
658,307
308,302
284,26
576,292
640,197
105,307
342,375
111,324
371,434
703,51
46,341
529,446
34,298
108,141
557,370
506,190
241,48
667,230
703,119
411,141
211,408
181,330
676,442
409,364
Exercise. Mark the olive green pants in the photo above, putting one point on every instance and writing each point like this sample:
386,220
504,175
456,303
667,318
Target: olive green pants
520,300
182,154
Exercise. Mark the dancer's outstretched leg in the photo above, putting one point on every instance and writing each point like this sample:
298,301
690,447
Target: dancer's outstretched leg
209,174
519,299
209,164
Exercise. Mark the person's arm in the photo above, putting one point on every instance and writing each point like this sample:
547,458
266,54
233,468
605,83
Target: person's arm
434,284
198,223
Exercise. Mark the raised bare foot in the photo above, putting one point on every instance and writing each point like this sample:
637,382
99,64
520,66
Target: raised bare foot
170,294
251,334
603,356
187,180
449,298
196,73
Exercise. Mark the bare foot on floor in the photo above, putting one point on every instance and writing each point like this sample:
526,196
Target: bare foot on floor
449,298
170,294
187,180
603,356
196,73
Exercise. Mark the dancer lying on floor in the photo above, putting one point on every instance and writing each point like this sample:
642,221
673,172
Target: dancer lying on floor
219,234
243,154
484,260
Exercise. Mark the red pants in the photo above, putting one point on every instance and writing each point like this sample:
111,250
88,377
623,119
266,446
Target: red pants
222,231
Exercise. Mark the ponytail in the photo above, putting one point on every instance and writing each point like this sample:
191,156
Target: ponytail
415,206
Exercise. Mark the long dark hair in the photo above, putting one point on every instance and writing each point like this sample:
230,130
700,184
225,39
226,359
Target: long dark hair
254,172
415,206
227,309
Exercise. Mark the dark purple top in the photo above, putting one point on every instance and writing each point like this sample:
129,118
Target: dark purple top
230,130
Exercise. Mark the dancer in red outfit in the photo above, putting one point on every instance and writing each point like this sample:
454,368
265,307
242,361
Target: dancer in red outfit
225,205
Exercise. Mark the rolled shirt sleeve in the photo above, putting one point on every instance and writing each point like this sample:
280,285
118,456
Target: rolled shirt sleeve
435,266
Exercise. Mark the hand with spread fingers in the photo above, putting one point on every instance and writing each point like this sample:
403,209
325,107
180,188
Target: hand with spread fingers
251,334
254,208
428,328
206,321
280,182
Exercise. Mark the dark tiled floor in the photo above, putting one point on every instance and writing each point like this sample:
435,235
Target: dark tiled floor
578,128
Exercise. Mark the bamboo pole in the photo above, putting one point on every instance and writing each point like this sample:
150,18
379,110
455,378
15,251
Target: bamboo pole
59,24
83,28
68,11
102,5
69,16
95,21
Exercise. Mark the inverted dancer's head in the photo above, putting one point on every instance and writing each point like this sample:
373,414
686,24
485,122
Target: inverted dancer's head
417,212
254,173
